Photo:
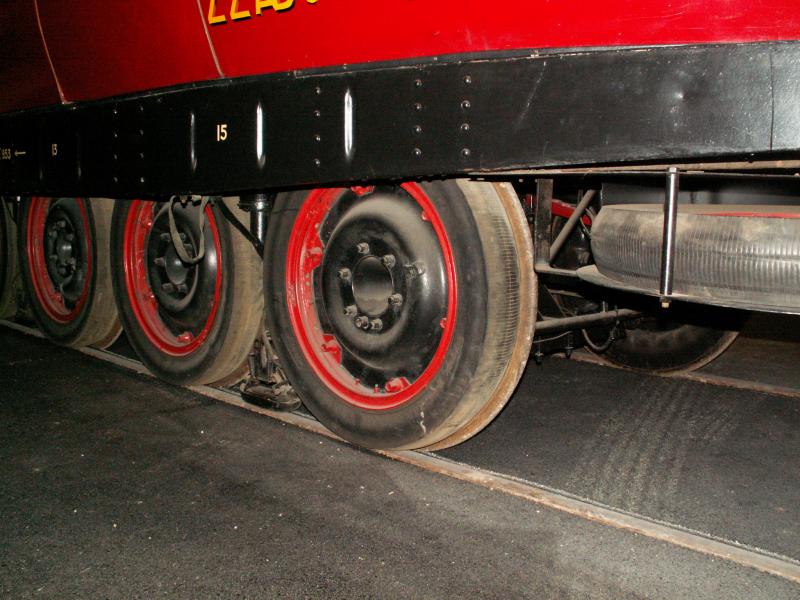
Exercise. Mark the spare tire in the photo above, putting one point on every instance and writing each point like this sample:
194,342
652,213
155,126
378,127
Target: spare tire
668,343
682,339
741,256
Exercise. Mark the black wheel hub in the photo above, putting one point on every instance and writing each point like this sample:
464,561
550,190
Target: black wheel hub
66,249
185,293
383,287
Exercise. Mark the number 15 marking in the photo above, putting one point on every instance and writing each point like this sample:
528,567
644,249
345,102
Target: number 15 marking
222,132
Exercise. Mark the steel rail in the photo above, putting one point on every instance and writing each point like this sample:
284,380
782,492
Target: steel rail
707,378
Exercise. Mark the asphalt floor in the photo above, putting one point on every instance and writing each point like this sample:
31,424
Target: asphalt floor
722,461
115,485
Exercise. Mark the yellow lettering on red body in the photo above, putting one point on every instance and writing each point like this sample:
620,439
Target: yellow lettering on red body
236,14
276,5
213,19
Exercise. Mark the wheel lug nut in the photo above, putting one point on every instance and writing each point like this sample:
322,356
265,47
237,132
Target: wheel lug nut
182,288
182,236
344,274
376,325
165,237
160,262
363,248
69,237
350,311
61,224
362,322
396,299
388,261
168,287
72,262
53,257
415,269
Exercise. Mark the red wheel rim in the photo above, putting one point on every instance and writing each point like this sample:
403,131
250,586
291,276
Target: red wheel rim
322,351
143,301
49,298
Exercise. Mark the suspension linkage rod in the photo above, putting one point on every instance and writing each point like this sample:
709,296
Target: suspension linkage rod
557,325
586,200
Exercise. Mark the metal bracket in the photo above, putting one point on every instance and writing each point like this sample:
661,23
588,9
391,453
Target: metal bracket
668,239
267,386
259,206
542,221
571,223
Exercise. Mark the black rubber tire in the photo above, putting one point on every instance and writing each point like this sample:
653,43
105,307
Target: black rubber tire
97,323
9,265
492,253
222,356
670,347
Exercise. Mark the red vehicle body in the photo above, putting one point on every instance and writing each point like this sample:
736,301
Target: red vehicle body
94,49
416,176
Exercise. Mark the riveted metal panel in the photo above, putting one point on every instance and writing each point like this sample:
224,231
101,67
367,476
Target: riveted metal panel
436,119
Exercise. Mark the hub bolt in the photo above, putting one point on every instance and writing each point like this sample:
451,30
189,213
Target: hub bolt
362,322
388,261
182,288
61,224
160,262
69,237
345,274
72,262
350,311
376,324
416,269
396,299
168,287
363,248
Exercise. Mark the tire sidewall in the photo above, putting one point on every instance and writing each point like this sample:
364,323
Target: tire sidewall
686,347
61,333
5,250
192,367
431,407
7,262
